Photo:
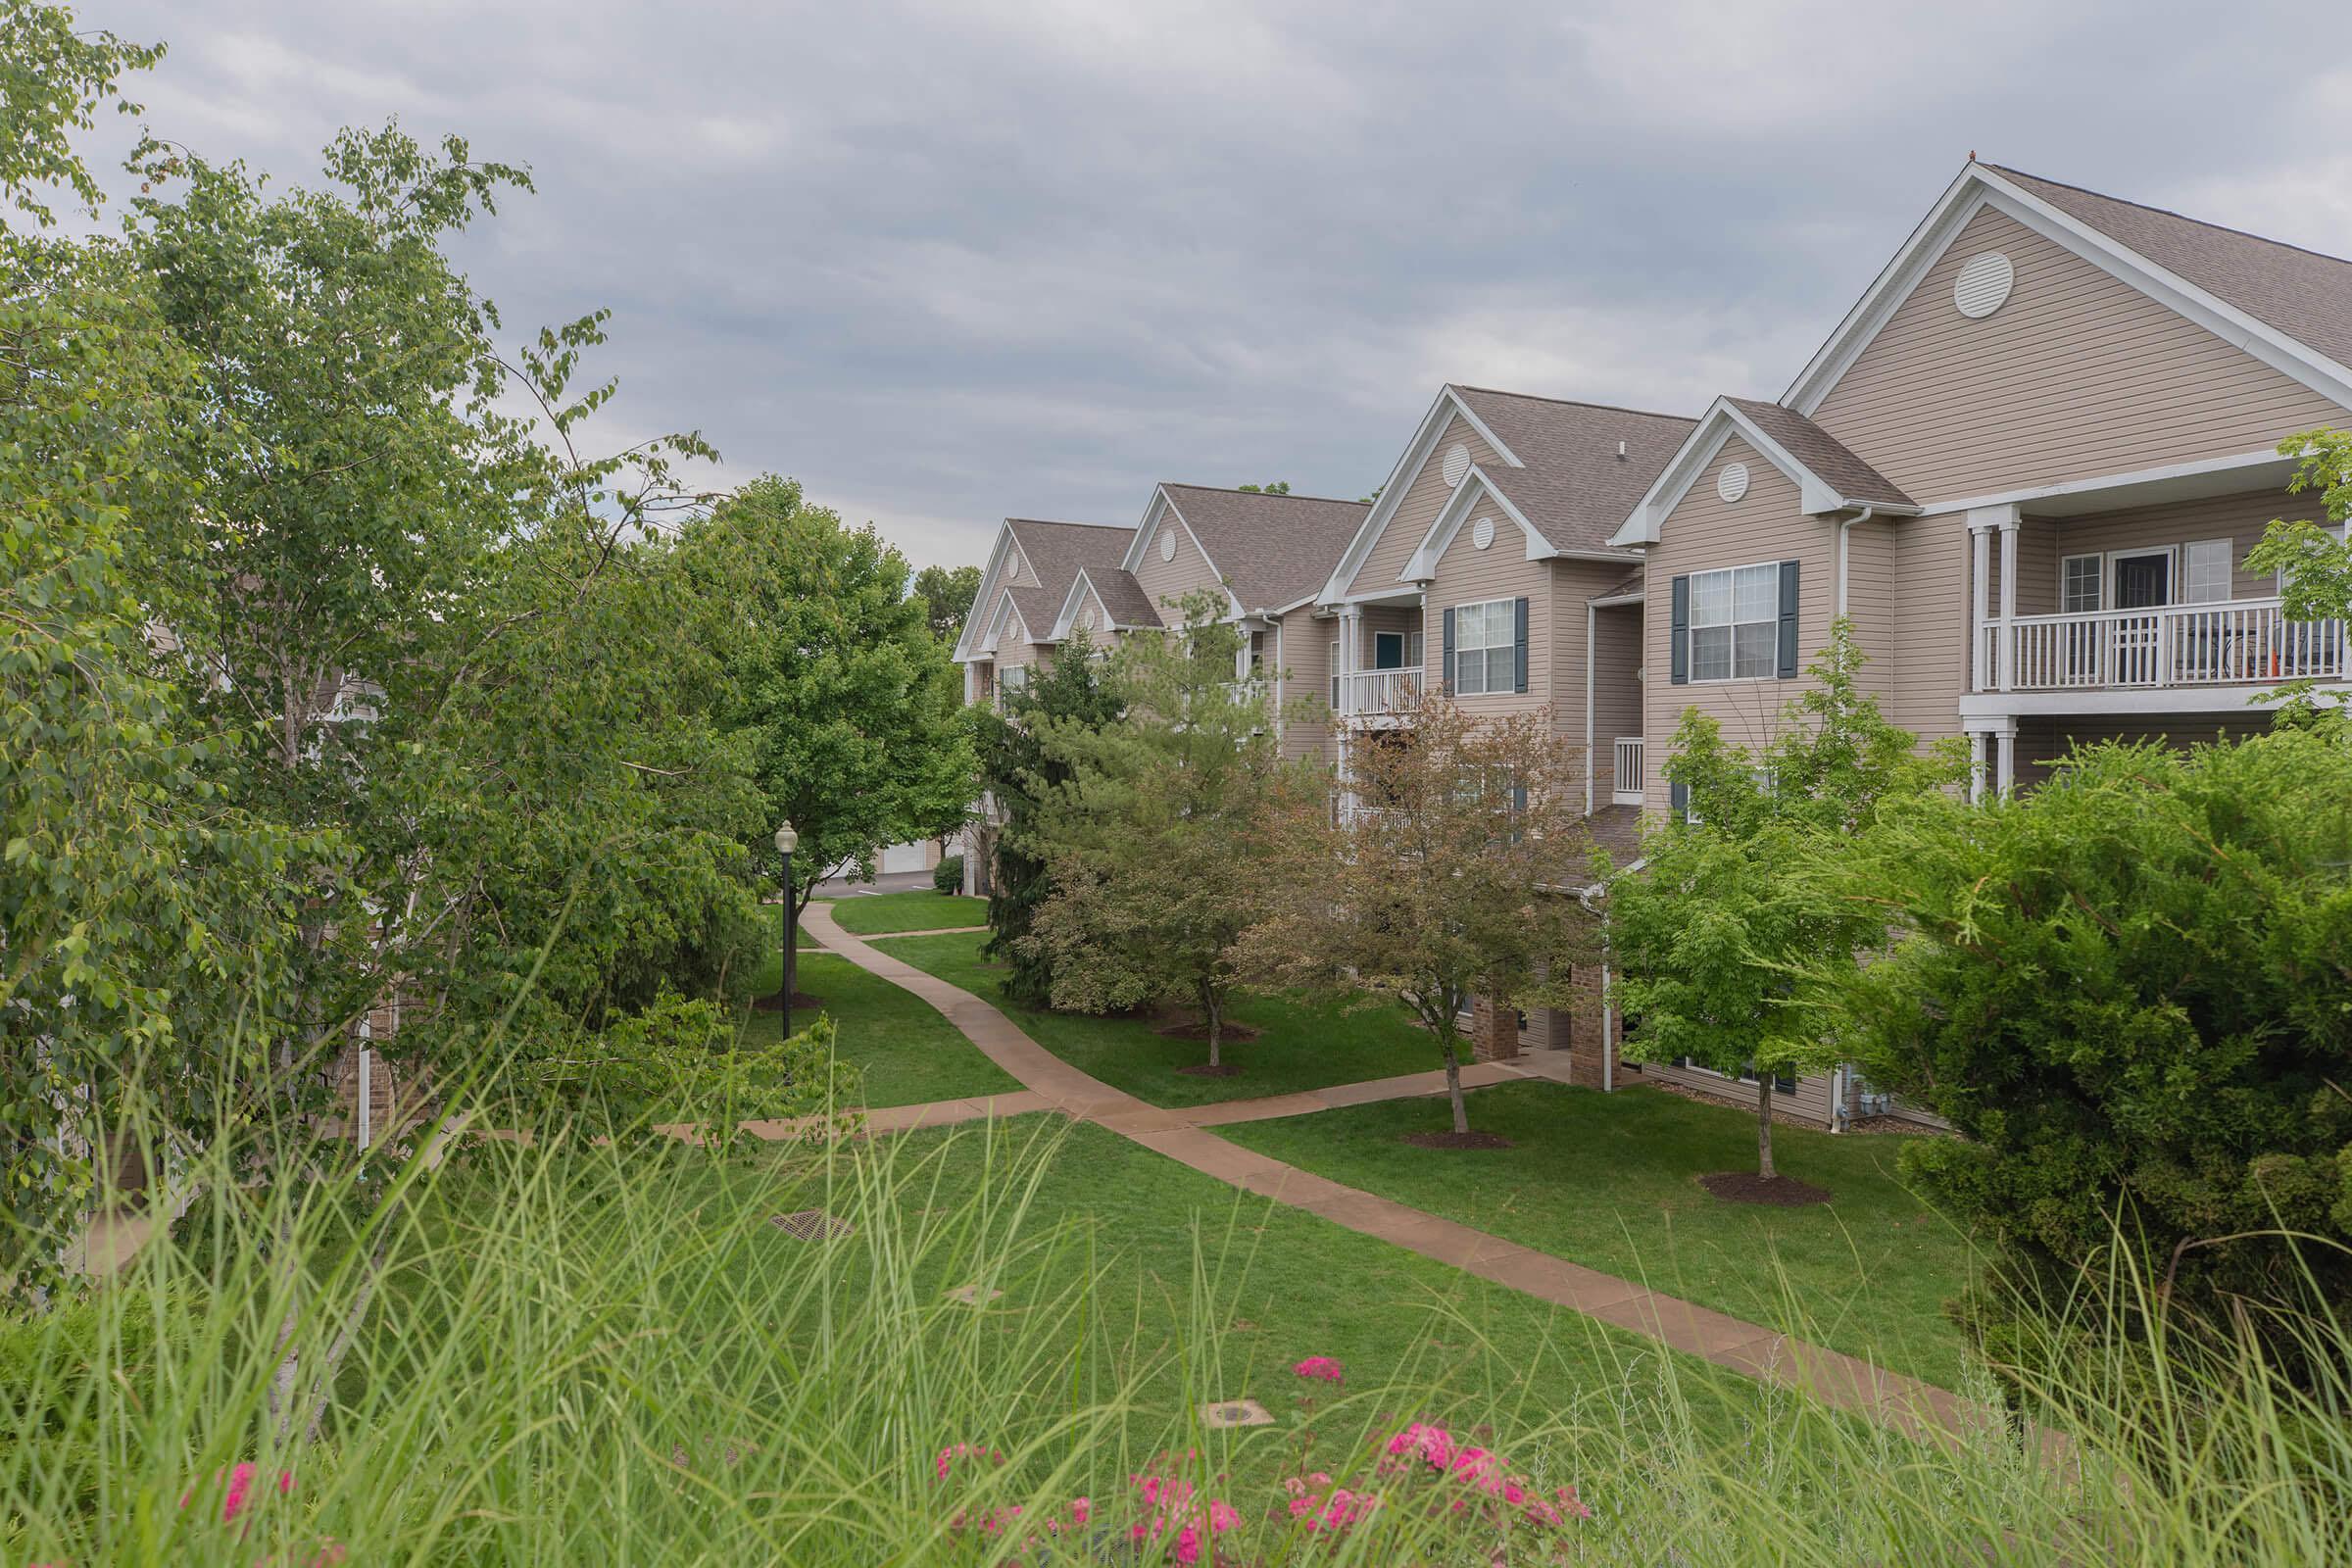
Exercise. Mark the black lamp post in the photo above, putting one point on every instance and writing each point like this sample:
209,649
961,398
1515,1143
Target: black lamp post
786,842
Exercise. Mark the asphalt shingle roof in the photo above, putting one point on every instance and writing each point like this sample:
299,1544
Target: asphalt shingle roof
1122,596
1275,550
1574,488
2305,294
1055,551
1829,458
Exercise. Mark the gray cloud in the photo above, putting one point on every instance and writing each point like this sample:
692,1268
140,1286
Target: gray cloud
947,262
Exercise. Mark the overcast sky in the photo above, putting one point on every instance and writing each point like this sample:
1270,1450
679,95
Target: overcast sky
950,262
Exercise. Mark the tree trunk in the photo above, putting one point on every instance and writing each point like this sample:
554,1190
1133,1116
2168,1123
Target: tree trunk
1214,1017
1453,1084
1764,1126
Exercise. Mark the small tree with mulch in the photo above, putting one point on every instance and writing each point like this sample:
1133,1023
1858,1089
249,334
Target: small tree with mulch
1155,837
1447,869
1734,905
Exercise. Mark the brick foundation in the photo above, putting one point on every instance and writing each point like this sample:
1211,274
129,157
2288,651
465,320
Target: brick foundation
1493,1031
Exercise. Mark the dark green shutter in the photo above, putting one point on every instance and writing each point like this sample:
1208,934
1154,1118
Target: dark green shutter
1446,685
1518,645
1679,658
1788,621
1677,798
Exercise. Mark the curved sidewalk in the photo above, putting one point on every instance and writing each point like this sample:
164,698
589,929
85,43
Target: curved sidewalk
1911,1406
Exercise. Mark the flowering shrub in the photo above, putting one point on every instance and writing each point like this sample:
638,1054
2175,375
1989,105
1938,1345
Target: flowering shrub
1321,1369
1424,1466
1182,1524
238,1480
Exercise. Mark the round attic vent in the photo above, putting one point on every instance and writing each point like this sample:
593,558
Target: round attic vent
1732,482
1457,464
1482,532
1983,286
1167,544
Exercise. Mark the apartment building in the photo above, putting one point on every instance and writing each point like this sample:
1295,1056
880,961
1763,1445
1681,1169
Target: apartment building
2028,464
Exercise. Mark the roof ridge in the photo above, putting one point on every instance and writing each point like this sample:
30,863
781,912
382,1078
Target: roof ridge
1573,403
1056,522
1270,495
2167,212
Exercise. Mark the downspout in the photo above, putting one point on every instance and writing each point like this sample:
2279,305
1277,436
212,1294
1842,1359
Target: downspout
1845,546
1608,1013
1591,619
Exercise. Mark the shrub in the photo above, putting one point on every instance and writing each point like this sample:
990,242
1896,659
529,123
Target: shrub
683,1055
948,876
2129,990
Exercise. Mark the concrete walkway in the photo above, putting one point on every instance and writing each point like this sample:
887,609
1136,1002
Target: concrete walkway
1842,1380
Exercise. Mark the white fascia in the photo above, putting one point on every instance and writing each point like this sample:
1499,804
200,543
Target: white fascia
1164,504
1979,187
1007,616
968,644
1816,495
1441,410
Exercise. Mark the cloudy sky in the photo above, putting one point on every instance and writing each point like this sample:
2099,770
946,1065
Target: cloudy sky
949,262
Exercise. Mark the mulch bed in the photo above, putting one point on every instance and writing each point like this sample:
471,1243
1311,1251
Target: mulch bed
1232,1034
801,1000
1454,1140
1777,1192
1201,1069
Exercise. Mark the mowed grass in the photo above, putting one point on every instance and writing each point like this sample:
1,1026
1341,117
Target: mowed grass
1299,1046
1610,1181
907,1053
865,913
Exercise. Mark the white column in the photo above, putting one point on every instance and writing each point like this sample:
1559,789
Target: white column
1351,638
2009,604
1979,540
2004,743
1977,740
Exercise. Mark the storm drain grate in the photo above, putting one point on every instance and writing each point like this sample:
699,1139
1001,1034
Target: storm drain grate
810,1225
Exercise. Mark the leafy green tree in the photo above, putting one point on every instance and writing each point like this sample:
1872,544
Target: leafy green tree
2314,563
946,592
1280,487
1157,840
1451,872
1017,776
1729,904
2129,990
851,707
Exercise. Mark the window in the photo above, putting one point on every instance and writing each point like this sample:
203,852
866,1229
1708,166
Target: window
1735,623
1412,647
2079,584
2205,571
1334,668
1257,654
1015,678
1485,648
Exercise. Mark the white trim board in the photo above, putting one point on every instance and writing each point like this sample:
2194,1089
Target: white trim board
2121,702
2206,477
1979,187
1147,535
1441,409
968,645
1816,495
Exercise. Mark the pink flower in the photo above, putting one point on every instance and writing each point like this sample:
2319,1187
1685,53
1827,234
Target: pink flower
963,1450
1322,1369
1082,1510
240,1483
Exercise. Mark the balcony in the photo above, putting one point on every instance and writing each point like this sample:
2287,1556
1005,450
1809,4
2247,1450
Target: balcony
2243,642
1626,779
1375,696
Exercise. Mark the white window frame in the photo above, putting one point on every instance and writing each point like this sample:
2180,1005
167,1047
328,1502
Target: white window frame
1772,660
1013,678
2172,571
1486,650
2183,591
2098,584
1333,670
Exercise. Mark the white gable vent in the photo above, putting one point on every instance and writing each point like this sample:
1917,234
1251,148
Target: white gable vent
1983,286
1482,532
1732,482
1457,464
1167,544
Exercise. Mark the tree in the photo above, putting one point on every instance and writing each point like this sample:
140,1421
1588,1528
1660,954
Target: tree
852,709
2127,990
2314,565
946,592
1449,870
1280,487
1713,935
1156,839
1017,774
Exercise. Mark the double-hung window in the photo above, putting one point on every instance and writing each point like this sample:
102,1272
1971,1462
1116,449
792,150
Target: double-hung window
2080,582
2205,568
1735,623
1485,646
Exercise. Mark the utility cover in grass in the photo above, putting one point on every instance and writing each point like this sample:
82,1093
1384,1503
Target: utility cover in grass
969,1295
1235,1413
810,1225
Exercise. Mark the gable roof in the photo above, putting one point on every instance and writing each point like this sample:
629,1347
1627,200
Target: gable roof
2288,308
1274,550
1829,476
1572,487
1055,552
1121,597
2305,294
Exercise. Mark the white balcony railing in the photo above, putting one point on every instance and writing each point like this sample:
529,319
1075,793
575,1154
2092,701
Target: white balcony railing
1627,780
1378,691
2233,643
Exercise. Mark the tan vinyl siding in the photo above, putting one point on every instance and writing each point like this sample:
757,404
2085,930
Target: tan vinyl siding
1931,619
2040,742
1616,690
1425,496
2078,374
1814,1100
1870,601
1572,584
1166,582
1299,650
1704,534
1469,576
2238,519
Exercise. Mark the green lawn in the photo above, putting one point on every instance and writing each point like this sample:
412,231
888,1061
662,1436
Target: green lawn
1298,1047
919,911
907,1051
1609,1181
